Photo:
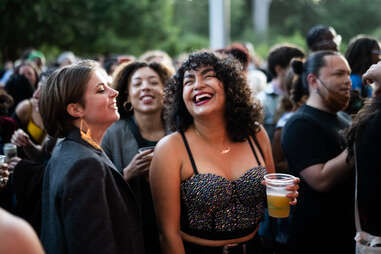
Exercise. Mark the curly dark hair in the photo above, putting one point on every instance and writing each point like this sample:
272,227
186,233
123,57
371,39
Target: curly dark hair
359,53
122,77
241,113
371,108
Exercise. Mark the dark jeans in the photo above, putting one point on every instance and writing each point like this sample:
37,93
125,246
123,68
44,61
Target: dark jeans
252,246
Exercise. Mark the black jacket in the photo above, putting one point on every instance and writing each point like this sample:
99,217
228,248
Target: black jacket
87,207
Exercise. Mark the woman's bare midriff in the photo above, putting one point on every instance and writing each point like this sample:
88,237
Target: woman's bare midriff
216,243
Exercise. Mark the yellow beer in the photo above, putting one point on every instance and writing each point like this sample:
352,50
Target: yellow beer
278,206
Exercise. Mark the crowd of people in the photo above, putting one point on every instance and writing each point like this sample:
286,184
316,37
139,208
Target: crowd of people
146,154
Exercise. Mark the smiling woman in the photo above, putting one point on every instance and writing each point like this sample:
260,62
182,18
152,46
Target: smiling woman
84,198
206,177
140,102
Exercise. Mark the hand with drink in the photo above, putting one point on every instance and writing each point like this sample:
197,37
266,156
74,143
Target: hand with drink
21,138
372,77
4,173
281,190
140,163
10,151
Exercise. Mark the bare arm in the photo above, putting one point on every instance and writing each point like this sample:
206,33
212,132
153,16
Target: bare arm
165,181
322,177
265,144
280,161
17,237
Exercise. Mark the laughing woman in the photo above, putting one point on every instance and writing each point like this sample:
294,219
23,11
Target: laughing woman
87,206
206,177
140,103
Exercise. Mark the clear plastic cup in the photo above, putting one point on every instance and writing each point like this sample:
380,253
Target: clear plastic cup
2,159
277,203
142,149
10,150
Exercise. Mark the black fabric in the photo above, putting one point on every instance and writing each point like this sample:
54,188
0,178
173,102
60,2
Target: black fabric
87,206
142,142
237,186
369,175
6,196
19,88
253,246
310,137
27,187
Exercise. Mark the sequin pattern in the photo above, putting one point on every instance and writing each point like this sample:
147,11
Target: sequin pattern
214,204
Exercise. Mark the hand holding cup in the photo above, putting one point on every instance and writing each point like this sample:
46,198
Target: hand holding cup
140,163
281,191
4,173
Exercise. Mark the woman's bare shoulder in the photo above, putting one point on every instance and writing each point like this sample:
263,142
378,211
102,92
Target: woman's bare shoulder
17,236
23,110
171,141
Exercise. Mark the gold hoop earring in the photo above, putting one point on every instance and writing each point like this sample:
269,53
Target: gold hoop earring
127,106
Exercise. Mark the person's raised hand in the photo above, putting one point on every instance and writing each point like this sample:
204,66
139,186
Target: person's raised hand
21,138
139,165
372,77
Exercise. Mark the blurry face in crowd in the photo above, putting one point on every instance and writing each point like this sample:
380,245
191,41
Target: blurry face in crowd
28,72
334,83
100,100
328,41
36,97
203,92
145,91
376,54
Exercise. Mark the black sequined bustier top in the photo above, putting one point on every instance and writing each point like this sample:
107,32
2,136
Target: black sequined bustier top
213,207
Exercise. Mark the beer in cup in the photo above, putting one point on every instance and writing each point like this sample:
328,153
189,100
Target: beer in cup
10,150
142,149
2,159
3,179
277,203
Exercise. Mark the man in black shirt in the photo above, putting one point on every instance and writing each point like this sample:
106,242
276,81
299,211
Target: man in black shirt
323,220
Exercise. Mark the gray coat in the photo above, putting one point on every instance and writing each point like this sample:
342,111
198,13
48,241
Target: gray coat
120,144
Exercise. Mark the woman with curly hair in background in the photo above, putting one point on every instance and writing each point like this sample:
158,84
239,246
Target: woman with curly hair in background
206,177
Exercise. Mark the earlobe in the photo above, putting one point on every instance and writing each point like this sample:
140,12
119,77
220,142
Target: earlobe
75,110
279,70
312,80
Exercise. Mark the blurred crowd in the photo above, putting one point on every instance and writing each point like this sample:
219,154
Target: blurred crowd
152,154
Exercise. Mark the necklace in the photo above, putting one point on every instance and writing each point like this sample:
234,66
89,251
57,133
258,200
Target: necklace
225,149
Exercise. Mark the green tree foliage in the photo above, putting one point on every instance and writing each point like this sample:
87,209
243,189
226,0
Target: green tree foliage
348,17
92,27
87,27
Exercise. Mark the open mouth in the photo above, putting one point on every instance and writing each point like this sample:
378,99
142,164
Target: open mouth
146,99
202,98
